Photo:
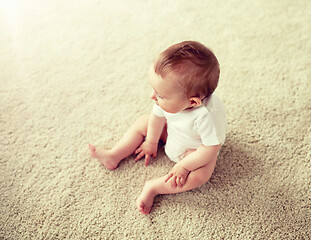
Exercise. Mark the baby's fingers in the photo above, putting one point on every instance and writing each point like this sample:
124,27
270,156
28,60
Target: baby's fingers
179,181
138,150
139,156
168,177
147,158
174,182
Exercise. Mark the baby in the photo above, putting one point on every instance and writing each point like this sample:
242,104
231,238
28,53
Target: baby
187,116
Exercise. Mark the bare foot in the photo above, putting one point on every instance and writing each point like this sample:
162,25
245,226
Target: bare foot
104,156
145,200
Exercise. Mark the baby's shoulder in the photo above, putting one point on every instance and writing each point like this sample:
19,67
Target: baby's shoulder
213,103
210,106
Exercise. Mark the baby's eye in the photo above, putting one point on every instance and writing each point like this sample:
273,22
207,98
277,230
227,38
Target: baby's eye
159,96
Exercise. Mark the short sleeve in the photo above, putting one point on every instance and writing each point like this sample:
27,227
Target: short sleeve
158,111
212,128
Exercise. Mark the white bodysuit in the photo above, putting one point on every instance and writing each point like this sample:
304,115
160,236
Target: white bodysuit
191,128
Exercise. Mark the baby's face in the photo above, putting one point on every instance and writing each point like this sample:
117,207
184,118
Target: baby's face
167,93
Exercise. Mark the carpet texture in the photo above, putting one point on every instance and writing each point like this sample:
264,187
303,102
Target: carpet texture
76,72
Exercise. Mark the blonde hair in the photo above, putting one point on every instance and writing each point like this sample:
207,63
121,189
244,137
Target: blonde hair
195,65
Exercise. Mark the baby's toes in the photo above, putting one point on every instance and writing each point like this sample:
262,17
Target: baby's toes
140,205
146,210
92,149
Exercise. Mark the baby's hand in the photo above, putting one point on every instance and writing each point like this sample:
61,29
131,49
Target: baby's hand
146,149
179,176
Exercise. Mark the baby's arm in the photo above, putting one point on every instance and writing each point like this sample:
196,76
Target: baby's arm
200,157
150,146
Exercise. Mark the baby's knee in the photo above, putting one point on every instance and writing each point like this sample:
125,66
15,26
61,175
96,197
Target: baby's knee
203,174
143,118
199,179
141,124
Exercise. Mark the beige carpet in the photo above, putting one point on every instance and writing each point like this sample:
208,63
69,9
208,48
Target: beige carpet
76,72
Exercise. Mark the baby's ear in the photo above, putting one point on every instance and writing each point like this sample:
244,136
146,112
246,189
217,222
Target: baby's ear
195,101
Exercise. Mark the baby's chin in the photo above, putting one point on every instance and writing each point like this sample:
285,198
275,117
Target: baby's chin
169,111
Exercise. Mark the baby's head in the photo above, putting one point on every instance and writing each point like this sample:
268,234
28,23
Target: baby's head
189,69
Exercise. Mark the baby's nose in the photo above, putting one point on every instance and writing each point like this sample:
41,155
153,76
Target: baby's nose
153,95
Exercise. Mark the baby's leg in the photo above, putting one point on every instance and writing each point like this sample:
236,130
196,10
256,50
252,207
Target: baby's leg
125,147
158,186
